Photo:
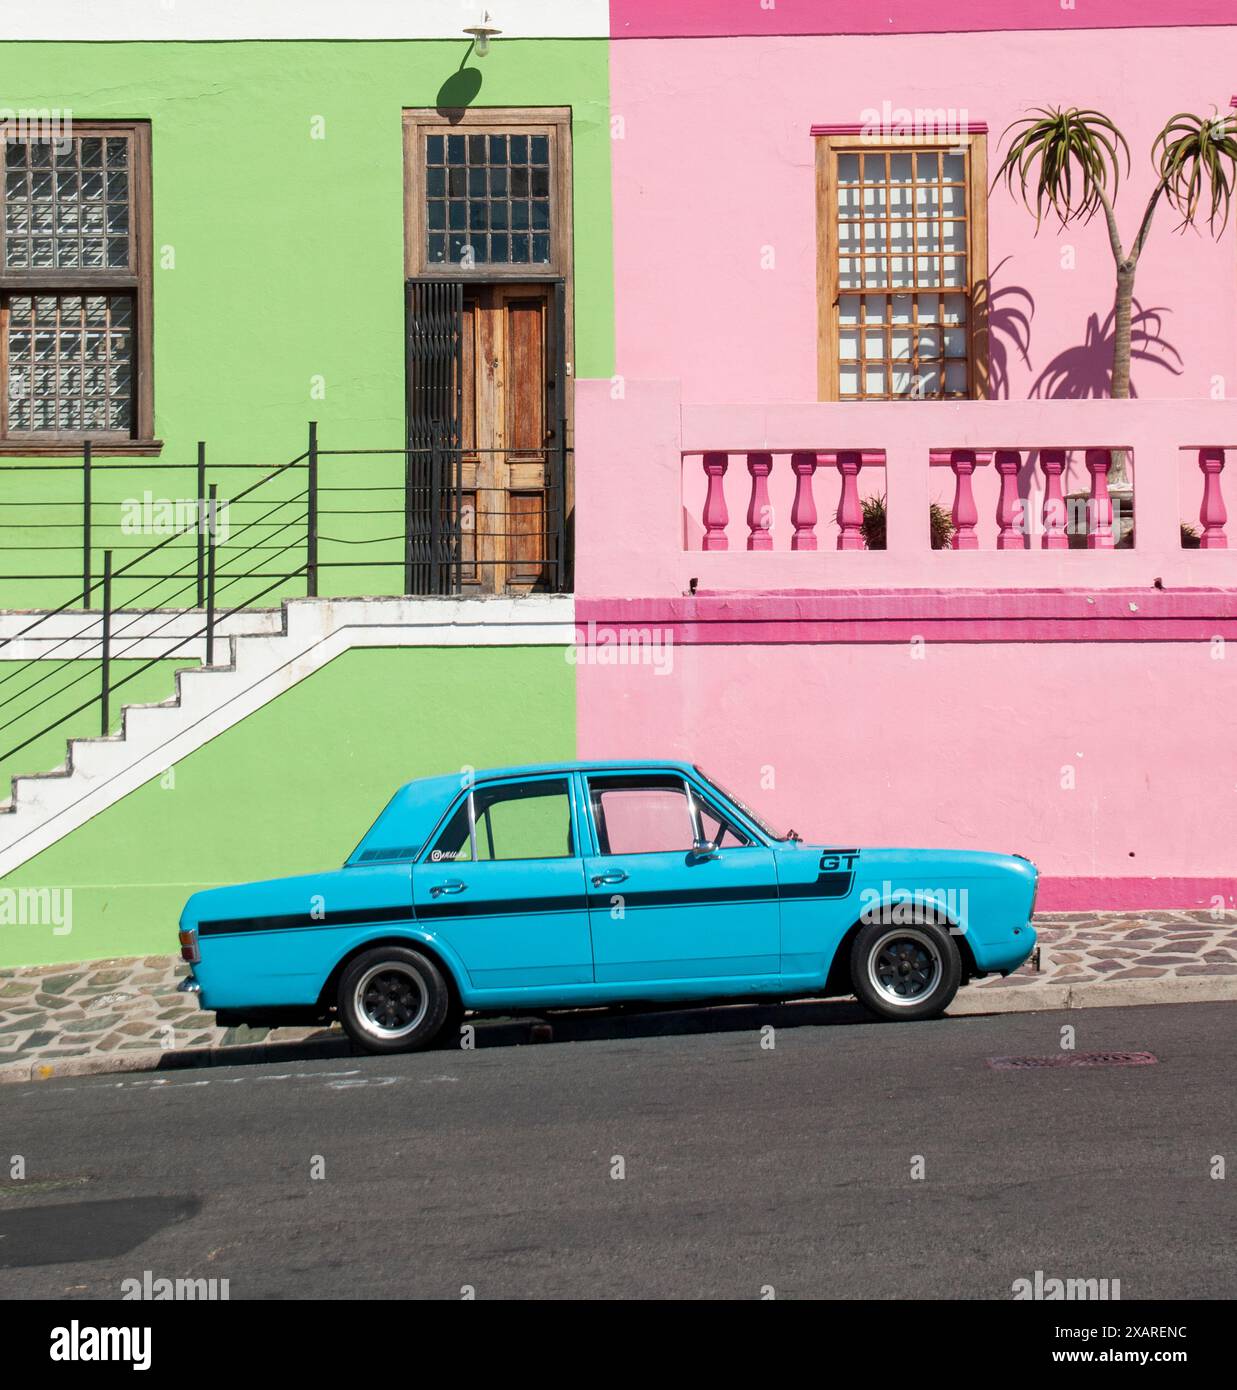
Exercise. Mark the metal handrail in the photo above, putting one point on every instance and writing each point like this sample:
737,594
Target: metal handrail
439,553
208,579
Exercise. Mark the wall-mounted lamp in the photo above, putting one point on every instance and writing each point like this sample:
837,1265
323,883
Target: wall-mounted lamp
481,34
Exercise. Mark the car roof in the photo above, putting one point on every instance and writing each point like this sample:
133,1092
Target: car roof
432,788
415,809
610,765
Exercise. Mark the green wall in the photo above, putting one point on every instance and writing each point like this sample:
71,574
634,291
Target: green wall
36,694
293,788
278,260
289,256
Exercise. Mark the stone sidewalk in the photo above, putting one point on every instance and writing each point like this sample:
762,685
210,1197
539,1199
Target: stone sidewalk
125,1015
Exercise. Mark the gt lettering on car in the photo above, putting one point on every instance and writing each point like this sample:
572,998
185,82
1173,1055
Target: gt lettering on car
837,873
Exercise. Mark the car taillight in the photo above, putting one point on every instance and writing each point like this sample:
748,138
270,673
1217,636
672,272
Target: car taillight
189,947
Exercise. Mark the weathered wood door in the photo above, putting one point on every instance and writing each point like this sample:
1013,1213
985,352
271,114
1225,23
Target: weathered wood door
507,432
488,481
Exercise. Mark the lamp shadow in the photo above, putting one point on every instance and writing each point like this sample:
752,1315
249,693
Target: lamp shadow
459,91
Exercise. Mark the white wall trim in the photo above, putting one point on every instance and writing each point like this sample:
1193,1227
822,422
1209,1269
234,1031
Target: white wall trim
135,636
120,21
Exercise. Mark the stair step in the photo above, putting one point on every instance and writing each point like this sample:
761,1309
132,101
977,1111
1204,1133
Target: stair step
249,668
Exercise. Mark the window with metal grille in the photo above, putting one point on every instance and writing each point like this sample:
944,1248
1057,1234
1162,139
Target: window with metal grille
487,199
903,250
75,282
488,191
70,363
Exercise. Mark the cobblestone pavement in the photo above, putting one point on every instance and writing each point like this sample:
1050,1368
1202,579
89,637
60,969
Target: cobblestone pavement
49,1012
54,1012
1078,948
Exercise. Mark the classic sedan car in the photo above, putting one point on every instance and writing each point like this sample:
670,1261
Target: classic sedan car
583,884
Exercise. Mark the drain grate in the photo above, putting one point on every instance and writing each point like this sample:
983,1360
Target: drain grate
1075,1059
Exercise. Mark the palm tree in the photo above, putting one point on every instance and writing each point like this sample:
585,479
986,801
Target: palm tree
1071,161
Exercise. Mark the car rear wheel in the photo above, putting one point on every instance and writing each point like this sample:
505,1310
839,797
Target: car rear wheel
393,999
905,972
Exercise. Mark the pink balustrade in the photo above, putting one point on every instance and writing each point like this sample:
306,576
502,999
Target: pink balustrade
1212,513
763,468
1029,511
786,496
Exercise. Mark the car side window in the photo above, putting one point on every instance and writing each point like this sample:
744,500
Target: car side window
714,826
514,820
642,815
656,813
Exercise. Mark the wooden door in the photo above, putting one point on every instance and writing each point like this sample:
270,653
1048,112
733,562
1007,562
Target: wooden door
506,429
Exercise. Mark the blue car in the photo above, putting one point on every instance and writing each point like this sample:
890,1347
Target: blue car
585,884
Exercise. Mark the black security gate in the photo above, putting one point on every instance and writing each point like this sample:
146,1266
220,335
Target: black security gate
443,500
432,550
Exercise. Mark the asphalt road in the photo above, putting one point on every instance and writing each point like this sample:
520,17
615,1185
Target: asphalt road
744,1167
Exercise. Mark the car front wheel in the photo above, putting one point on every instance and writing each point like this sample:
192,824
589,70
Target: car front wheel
393,999
905,972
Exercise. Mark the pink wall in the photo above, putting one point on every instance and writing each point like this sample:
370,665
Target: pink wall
1115,668
965,748
714,163
1032,660
702,18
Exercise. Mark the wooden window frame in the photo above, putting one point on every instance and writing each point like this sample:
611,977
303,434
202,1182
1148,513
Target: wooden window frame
138,281
828,148
554,121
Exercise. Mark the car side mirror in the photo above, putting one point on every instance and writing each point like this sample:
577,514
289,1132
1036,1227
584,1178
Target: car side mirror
704,849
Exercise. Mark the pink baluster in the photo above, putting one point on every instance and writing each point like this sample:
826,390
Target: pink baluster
964,514
1212,514
850,513
759,511
1099,528
1052,461
803,511
1009,512
716,517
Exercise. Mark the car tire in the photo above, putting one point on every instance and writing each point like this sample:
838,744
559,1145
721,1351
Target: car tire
905,972
393,999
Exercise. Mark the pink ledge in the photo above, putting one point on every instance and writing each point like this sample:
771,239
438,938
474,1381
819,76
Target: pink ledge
1134,894
854,128
865,615
658,19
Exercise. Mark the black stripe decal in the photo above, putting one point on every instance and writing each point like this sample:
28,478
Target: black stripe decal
686,897
499,907
827,885
344,917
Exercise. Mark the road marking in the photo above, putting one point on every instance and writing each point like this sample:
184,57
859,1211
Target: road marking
164,1082
335,1080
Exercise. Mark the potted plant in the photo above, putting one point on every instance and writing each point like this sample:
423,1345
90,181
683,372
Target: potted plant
873,524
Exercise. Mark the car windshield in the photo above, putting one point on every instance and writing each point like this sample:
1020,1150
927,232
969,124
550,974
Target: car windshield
756,820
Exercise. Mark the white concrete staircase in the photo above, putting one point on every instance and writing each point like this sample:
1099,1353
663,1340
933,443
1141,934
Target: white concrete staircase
266,653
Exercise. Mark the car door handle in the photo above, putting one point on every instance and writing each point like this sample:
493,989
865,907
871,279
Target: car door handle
451,886
617,876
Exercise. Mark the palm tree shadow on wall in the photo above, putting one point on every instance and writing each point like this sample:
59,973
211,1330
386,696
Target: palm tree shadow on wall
1085,372
1010,311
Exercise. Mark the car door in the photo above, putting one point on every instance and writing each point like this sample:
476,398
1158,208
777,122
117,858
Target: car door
665,905
503,885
